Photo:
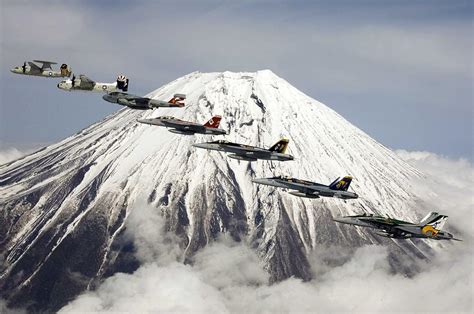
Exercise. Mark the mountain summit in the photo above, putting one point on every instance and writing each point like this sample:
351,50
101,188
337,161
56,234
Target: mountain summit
65,206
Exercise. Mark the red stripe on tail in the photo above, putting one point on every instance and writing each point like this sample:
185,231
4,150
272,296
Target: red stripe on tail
213,122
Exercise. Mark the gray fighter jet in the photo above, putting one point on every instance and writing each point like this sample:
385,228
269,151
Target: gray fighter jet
249,153
187,128
338,188
45,70
143,103
429,227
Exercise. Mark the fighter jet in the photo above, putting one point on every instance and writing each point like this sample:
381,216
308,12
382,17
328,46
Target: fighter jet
428,227
249,153
143,103
338,188
187,128
45,70
83,83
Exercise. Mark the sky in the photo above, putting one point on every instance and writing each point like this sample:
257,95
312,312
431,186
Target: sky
402,71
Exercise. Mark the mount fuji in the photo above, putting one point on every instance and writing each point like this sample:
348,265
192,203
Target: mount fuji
65,207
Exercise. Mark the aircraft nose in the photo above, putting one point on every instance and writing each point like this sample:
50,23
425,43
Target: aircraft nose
260,181
343,220
144,121
201,145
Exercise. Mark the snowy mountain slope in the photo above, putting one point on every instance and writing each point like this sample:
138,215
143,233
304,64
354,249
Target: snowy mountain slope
64,207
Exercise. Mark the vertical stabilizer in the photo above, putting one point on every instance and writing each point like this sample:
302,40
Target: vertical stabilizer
280,146
434,220
341,184
213,122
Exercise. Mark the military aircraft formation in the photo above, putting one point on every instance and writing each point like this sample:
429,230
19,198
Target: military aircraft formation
116,92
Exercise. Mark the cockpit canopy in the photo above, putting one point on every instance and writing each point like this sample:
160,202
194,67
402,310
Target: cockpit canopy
282,177
220,142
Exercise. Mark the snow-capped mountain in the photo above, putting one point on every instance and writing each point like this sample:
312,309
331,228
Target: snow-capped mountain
65,206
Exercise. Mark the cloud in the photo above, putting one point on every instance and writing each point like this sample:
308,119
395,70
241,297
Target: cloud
447,188
228,277
11,153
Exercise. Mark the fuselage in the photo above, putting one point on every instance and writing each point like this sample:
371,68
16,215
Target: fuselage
394,228
306,188
131,101
183,127
41,73
137,102
67,85
245,152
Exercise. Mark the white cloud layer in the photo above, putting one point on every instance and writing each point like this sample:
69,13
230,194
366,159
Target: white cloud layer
447,188
227,277
10,154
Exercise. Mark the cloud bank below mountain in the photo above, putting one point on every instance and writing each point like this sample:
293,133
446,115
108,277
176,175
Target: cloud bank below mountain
228,277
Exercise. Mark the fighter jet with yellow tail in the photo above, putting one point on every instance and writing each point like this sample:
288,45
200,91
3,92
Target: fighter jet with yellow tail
429,227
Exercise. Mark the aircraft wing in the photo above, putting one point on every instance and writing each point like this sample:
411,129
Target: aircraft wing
247,151
84,79
34,67
392,227
182,125
301,186
155,103
46,65
395,232
126,96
